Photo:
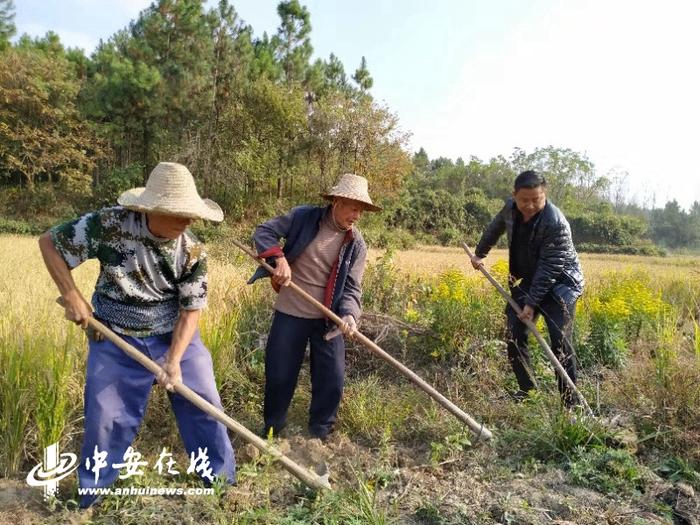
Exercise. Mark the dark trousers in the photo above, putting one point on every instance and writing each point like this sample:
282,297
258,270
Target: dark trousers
284,355
558,315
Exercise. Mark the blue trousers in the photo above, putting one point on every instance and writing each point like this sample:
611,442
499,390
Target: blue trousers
116,394
284,355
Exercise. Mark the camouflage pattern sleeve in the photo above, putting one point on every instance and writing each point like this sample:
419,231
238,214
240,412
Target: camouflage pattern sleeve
78,240
192,288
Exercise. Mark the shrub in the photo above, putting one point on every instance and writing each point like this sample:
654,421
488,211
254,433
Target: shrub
607,229
384,289
618,310
461,310
394,239
41,205
19,227
110,185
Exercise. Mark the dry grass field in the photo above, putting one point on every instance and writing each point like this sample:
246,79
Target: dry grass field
431,260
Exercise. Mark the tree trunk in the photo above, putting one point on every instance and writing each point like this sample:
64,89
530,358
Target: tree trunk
279,180
146,147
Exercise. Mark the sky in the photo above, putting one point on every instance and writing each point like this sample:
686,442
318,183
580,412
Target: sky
615,80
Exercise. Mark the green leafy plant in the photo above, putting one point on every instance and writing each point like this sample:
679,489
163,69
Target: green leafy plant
607,470
678,469
450,446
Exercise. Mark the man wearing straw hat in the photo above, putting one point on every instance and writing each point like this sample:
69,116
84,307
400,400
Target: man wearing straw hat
545,277
324,254
151,288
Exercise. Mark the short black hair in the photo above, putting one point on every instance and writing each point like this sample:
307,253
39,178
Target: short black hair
529,179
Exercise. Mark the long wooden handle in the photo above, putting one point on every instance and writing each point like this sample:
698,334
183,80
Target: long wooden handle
303,474
480,430
547,350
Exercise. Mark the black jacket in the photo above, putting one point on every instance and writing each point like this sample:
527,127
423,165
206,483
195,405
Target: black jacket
550,248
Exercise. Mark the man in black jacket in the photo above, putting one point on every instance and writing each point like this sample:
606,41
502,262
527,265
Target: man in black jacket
545,276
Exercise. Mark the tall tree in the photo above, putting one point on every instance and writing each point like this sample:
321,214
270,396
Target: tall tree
494,177
571,176
673,227
265,65
361,137
336,78
260,136
293,42
164,62
315,81
43,136
7,23
362,77
421,160
233,56
122,96
174,36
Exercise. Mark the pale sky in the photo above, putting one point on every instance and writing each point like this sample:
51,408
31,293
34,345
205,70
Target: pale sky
617,80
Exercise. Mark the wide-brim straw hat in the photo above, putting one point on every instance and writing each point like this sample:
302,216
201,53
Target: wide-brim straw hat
352,187
171,190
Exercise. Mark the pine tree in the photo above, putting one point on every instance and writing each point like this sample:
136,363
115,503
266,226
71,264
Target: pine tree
362,77
7,24
292,39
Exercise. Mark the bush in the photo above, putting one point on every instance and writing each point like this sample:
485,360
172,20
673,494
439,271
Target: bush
446,216
450,236
607,229
462,310
384,289
19,227
616,314
109,186
41,206
394,239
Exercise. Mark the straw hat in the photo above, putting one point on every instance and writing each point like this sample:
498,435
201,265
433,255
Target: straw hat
352,187
170,190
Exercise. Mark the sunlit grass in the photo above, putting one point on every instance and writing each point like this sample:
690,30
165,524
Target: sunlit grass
427,260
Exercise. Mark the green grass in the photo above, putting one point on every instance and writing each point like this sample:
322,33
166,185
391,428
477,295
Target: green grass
607,470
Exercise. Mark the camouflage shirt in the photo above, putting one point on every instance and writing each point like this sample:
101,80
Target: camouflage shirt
144,280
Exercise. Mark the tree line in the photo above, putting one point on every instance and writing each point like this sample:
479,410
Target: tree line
252,117
453,199
261,125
